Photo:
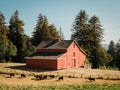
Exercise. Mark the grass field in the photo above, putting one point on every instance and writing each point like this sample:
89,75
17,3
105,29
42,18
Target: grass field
63,87
105,79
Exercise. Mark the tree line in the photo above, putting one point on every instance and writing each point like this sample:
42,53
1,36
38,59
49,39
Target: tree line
87,31
15,45
114,51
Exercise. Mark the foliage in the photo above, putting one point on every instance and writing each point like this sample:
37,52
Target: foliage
6,46
118,54
114,51
18,38
63,87
43,31
53,32
89,34
102,58
11,51
79,27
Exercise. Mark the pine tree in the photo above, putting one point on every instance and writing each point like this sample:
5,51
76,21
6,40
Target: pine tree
17,36
11,51
97,35
118,54
89,34
43,31
102,58
7,49
79,27
53,32
3,38
94,23
38,33
112,51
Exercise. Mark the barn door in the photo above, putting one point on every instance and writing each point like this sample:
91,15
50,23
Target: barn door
73,62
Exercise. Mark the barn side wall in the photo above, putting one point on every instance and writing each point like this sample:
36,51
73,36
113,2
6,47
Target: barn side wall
74,57
44,64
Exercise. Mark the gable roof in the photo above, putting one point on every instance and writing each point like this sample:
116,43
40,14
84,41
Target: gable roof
51,44
58,44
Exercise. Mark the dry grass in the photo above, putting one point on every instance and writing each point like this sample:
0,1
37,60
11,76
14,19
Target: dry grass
71,76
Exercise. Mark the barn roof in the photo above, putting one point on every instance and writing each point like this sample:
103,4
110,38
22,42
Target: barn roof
52,44
45,55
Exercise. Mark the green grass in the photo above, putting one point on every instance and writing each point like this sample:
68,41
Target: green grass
64,87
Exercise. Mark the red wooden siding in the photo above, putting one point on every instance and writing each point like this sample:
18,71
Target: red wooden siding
73,57
44,64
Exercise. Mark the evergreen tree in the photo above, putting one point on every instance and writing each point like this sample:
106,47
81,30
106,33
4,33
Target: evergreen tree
102,58
11,51
82,33
97,36
17,36
118,54
7,49
112,51
46,34
89,34
43,30
79,27
3,38
97,29
53,32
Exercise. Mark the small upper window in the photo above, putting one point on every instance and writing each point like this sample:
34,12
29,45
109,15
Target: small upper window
73,54
73,45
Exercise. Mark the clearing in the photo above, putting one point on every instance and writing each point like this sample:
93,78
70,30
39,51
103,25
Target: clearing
78,75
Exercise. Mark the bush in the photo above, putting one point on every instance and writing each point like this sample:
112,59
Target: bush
2,61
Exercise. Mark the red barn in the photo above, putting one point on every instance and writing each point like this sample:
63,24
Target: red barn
56,54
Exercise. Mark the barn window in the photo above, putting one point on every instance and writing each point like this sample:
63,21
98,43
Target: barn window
73,54
73,45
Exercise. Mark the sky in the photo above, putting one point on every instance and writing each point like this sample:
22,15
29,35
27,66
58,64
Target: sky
62,14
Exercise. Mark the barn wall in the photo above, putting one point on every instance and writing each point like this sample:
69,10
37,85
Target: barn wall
75,56
45,64
62,62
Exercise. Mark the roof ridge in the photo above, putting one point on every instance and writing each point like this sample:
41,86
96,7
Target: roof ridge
51,44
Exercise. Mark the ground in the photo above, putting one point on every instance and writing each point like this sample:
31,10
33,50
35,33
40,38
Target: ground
80,75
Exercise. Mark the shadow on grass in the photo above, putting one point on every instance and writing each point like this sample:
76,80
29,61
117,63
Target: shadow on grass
24,68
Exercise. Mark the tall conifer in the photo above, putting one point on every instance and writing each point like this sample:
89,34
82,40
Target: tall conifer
43,31
7,49
18,37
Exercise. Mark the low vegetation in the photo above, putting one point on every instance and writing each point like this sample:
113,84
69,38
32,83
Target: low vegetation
15,76
63,87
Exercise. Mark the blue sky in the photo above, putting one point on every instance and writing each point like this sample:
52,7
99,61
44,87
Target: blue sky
62,14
